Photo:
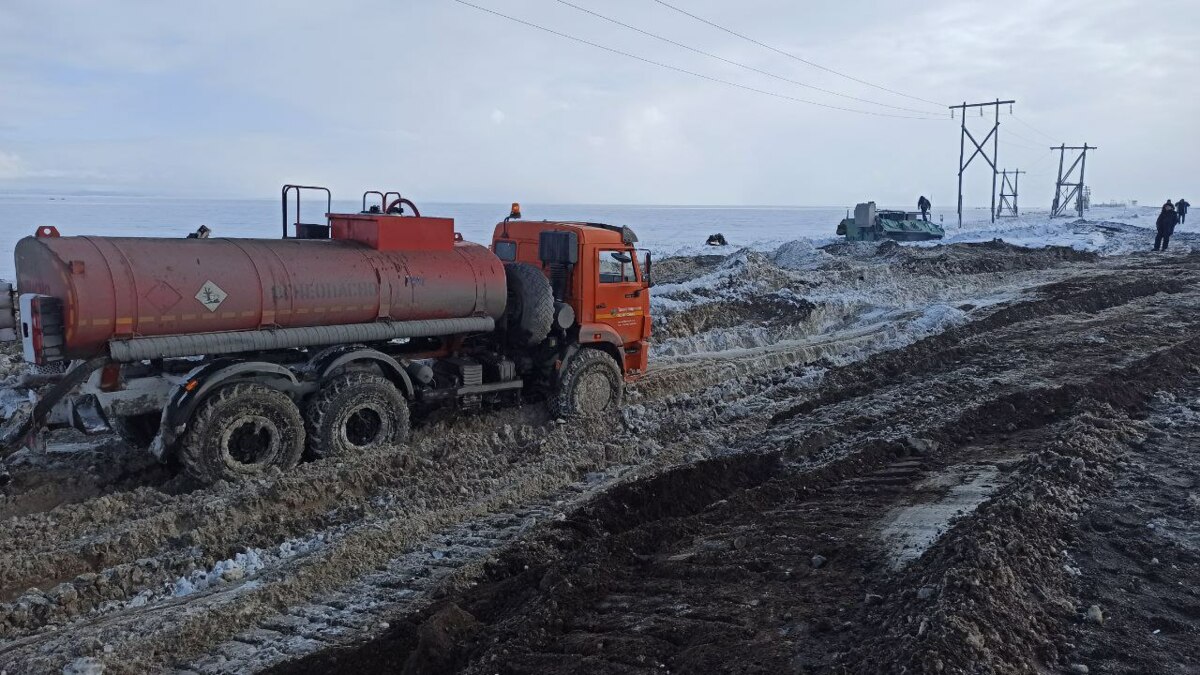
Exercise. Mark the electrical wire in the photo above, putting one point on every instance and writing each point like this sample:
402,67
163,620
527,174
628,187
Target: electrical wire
1049,153
1033,127
794,57
1033,144
1030,171
1010,144
684,70
736,63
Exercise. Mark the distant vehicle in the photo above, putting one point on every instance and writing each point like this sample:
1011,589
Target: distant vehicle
868,224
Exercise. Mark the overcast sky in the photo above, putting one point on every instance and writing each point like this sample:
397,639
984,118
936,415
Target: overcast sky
448,103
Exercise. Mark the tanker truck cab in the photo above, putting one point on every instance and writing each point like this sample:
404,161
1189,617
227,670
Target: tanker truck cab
237,357
600,286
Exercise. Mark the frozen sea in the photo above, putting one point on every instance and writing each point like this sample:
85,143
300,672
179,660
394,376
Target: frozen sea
665,230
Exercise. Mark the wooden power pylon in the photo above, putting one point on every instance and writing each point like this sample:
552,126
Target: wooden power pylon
993,136
1064,189
1008,200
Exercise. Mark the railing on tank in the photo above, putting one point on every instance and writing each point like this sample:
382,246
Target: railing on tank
390,203
374,209
307,230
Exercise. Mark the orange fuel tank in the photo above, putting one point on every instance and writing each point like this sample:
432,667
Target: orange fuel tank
114,287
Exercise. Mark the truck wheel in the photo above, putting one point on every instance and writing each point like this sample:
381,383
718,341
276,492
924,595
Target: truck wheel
240,431
356,412
530,307
590,384
136,430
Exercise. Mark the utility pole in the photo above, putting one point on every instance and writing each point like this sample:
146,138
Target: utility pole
1008,200
993,136
1064,189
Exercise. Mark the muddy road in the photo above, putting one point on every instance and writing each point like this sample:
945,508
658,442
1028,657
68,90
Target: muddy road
851,459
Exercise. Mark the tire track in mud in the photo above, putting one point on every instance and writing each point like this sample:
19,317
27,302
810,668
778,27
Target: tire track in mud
493,468
707,567
1002,585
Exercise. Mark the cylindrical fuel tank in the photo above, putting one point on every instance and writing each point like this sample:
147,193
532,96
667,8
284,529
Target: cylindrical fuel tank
121,287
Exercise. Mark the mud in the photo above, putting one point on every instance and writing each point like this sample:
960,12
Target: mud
825,472
1135,551
778,558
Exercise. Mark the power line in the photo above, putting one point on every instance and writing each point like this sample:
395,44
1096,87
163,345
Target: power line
793,56
1048,136
1049,154
1034,144
684,70
1009,144
736,63
1043,158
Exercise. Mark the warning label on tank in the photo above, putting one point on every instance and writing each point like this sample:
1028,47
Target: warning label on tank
211,296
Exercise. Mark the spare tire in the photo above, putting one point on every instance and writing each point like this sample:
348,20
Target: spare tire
530,308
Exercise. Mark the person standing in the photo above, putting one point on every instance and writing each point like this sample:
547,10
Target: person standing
1181,208
1165,224
923,205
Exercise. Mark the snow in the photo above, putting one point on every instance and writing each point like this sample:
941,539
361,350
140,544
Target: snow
1104,230
244,565
13,400
664,230
935,319
800,255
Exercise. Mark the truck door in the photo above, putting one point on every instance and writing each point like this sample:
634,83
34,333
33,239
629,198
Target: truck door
621,298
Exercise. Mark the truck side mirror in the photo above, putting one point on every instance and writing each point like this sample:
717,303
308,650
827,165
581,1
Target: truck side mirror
646,275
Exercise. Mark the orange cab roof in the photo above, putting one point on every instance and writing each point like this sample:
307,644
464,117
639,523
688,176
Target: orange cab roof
589,233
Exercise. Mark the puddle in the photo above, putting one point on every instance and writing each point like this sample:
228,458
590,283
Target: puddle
910,531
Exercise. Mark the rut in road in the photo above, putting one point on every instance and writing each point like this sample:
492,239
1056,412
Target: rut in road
711,567
353,521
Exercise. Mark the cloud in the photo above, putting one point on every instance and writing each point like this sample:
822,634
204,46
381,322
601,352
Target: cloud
156,97
11,167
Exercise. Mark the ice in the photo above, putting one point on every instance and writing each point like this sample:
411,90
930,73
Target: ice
935,319
801,254
244,565
12,401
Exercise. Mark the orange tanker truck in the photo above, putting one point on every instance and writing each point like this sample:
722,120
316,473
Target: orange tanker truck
232,356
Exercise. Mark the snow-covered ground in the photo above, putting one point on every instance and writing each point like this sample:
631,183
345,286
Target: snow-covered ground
664,230
736,333
1108,230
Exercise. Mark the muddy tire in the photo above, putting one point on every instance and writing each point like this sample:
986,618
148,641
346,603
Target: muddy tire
591,384
241,431
136,430
353,413
529,310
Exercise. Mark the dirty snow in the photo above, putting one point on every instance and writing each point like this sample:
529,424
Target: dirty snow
833,305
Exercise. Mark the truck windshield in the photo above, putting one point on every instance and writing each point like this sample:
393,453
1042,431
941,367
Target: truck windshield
615,267
506,250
